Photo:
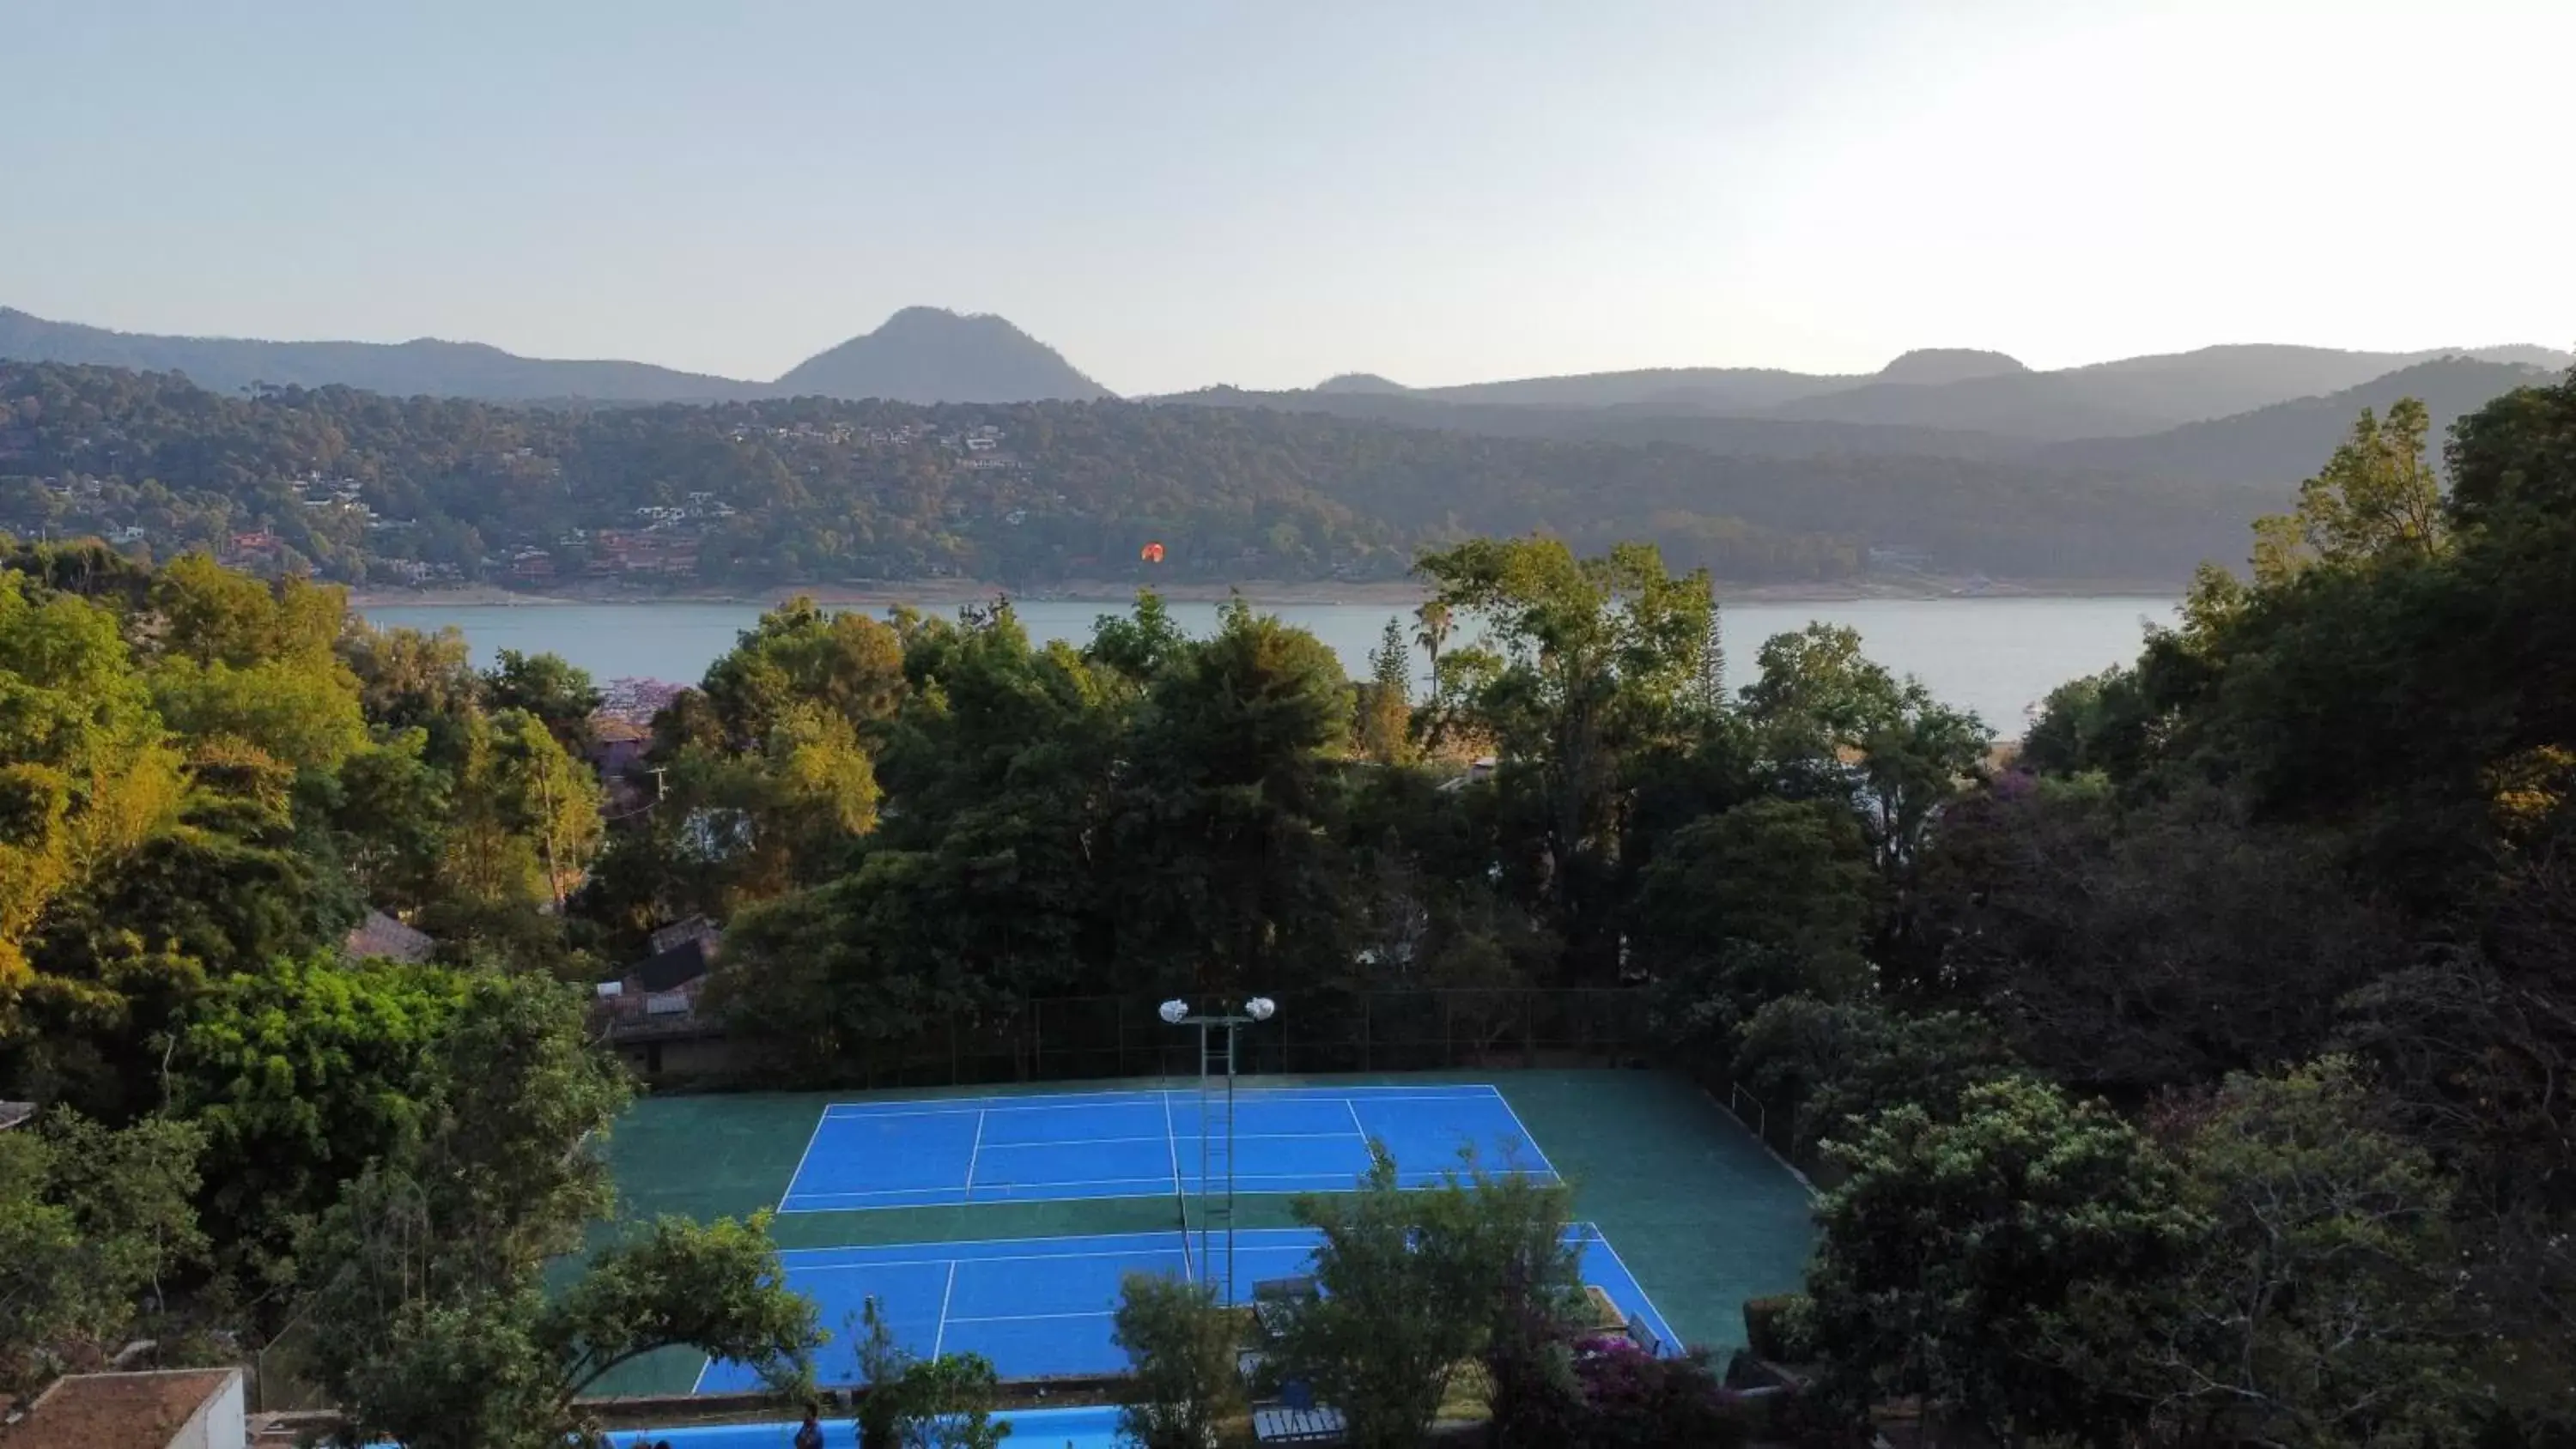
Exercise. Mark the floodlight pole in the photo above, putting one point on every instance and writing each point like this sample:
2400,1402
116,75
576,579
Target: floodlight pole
1177,1013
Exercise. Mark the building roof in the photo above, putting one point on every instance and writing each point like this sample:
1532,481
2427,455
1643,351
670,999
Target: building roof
677,967
13,1113
382,935
116,1411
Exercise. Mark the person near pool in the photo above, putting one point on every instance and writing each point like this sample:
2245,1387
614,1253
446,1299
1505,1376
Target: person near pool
810,1436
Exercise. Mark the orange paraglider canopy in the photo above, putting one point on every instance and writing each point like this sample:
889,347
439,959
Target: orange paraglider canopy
1151,553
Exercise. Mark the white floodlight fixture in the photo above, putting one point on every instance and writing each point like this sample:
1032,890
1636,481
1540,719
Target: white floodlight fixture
1260,1008
1174,1011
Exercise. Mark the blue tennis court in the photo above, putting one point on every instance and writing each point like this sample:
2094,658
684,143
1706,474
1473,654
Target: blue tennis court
945,1151
1042,1307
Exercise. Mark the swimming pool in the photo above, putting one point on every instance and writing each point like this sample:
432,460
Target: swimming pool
1088,1428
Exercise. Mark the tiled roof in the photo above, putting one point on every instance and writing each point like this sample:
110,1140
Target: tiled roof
116,1411
382,935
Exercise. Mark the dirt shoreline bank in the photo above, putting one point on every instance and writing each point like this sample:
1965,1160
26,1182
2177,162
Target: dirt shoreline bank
944,593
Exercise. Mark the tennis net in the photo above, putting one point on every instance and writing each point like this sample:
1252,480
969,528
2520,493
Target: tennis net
1189,1259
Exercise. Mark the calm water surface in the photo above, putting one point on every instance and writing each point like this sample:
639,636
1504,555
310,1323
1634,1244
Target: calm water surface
1996,656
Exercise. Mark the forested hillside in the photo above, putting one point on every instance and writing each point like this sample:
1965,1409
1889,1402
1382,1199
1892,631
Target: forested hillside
366,488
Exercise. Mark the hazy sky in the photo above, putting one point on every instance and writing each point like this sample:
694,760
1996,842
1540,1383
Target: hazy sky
1182,193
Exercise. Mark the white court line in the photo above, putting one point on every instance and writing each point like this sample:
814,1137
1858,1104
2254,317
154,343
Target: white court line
1354,1109
1318,1180
973,1153
811,1138
947,1259
1068,1101
1041,1317
1528,1139
947,1187
945,1294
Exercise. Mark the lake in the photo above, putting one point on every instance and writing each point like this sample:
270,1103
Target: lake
1997,656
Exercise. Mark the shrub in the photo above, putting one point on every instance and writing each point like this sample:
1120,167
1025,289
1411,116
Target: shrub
947,1403
1638,1401
1181,1350
1416,1283
1768,1324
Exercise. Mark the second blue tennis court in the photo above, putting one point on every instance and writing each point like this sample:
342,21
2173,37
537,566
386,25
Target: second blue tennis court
1044,1307
945,1151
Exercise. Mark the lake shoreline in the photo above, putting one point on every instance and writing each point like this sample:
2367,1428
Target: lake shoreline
946,593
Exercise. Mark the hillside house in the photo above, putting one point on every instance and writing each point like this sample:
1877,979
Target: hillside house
172,1409
649,1010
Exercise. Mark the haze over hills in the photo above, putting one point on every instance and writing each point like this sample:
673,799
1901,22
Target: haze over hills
1969,391
2291,439
403,369
2274,445
920,354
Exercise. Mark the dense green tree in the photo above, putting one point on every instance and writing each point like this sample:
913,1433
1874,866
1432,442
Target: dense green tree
2378,498
1581,662
425,1273
2322,1305
558,693
1223,818
85,773
844,662
1841,727
1838,1066
1950,1255
301,1073
92,1224
411,680
1772,897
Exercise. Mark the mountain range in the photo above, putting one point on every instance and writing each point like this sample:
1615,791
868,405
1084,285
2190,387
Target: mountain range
2254,414
920,355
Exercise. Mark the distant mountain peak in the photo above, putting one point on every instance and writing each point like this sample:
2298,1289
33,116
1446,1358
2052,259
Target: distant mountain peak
1949,364
933,355
1360,382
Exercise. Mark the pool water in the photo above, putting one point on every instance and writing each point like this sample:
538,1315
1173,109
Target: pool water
1087,1428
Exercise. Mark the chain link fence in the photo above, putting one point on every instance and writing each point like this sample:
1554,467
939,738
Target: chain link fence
1076,1037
